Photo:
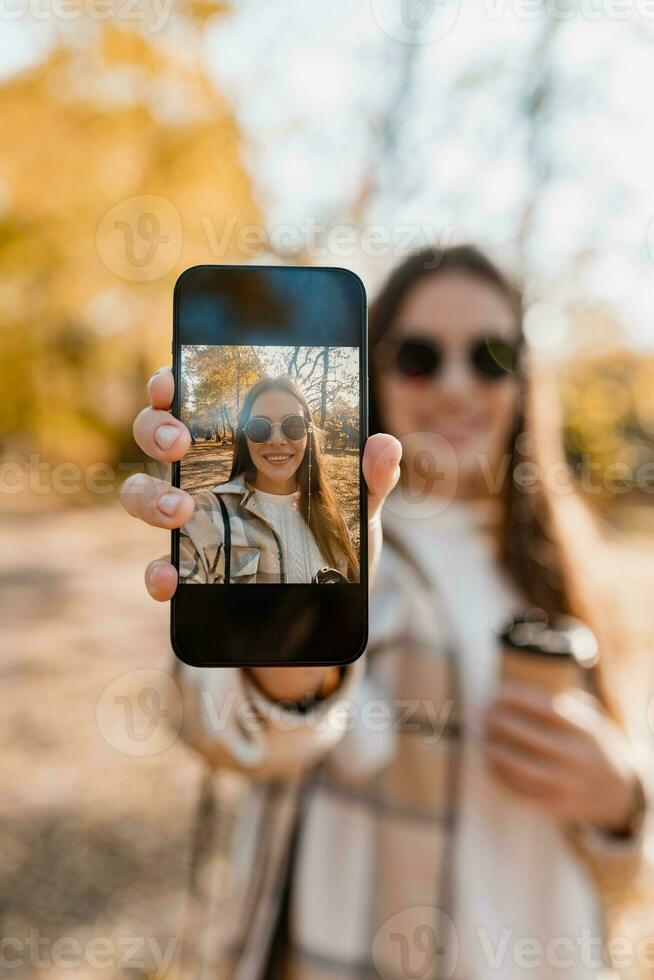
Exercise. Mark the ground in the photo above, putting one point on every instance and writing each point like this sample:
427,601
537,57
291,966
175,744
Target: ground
96,840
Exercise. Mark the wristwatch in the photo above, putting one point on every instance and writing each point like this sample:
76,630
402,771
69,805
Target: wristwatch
330,683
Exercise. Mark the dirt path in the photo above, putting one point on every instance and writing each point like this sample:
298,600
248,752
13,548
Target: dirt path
205,465
96,840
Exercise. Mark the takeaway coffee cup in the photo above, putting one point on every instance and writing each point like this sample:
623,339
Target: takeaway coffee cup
549,656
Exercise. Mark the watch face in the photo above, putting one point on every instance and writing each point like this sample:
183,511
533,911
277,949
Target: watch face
328,576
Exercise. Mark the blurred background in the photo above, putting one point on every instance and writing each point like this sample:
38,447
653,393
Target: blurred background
140,137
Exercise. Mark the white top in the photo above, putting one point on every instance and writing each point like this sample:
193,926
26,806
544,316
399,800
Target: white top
515,876
302,557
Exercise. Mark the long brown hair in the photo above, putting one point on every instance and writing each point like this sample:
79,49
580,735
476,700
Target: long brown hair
326,519
536,539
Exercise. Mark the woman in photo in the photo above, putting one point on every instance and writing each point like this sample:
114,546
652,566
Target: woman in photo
453,825
276,519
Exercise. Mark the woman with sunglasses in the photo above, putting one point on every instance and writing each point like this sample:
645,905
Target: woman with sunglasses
452,823
536,796
276,519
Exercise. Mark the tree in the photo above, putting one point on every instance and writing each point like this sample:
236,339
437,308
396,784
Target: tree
323,373
342,426
214,381
94,332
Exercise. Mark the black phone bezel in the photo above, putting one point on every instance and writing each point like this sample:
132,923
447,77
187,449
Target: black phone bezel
243,595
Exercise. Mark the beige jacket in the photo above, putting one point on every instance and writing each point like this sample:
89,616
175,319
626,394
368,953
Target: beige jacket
368,780
256,551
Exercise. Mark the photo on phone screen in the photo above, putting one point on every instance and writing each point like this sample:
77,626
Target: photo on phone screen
273,465
270,377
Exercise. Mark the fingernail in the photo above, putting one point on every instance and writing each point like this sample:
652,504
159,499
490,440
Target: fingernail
168,503
166,435
149,384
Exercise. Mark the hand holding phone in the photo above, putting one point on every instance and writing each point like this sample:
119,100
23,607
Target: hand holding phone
167,439
159,504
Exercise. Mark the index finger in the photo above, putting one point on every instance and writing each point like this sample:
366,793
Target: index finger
161,388
536,704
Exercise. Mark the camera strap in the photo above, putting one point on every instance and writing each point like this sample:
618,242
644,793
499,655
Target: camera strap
228,539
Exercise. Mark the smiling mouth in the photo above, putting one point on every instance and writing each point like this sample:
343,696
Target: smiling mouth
278,459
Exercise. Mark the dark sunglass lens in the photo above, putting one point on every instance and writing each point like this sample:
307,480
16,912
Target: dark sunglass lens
294,427
494,358
418,359
258,430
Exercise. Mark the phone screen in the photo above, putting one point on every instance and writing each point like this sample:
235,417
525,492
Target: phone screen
269,367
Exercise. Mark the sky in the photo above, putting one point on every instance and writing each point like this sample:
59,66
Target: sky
313,86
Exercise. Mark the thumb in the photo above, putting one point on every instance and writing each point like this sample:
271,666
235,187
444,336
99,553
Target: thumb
381,469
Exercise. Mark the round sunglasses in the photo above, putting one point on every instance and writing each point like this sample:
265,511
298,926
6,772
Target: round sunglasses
259,428
491,358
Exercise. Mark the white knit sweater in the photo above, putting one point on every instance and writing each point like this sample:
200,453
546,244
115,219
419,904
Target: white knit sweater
515,876
302,557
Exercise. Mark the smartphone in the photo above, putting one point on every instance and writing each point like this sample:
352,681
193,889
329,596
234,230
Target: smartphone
271,381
